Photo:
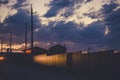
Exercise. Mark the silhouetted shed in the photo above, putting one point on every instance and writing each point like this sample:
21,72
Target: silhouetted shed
57,49
36,51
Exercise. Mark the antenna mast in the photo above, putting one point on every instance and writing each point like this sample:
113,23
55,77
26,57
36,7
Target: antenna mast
10,42
25,37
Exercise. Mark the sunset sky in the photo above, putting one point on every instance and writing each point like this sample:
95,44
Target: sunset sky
78,24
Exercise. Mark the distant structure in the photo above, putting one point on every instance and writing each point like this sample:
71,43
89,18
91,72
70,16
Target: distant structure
96,61
36,50
57,49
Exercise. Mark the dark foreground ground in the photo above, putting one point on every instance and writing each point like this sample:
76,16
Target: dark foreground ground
11,71
15,67
19,72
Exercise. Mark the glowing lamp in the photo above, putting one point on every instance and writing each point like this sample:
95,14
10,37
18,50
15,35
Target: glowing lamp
2,58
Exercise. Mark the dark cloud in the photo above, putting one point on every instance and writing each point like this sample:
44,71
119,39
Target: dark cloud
58,32
20,3
82,37
111,14
52,12
91,35
113,21
16,24
4,2
88,1
94,33
93,14
63,32
108,8
68,12
1,25
55,6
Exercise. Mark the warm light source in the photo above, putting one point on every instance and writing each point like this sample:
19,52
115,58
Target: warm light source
28,51
2,58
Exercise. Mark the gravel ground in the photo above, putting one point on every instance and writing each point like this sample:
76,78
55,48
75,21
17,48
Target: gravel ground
16,72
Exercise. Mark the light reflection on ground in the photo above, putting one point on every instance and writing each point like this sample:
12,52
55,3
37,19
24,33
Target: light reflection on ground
53,60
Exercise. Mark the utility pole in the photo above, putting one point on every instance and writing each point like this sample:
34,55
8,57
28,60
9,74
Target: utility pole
10,50
1,44
26,37
31,29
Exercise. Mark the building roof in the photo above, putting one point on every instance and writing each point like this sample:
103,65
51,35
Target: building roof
103,52
57,49
58,46
37,50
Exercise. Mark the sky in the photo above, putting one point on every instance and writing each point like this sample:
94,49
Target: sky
78,24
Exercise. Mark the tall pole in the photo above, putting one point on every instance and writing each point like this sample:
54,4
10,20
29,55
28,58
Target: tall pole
25,38
1,44
10,42
89,48
31,29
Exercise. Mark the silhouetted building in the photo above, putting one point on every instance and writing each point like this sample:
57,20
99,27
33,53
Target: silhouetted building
57,49
36,51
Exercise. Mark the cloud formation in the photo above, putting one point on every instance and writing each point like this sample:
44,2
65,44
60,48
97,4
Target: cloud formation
3,2
20,3
112,20
92,34
55,6
108,8
16,24
70,33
